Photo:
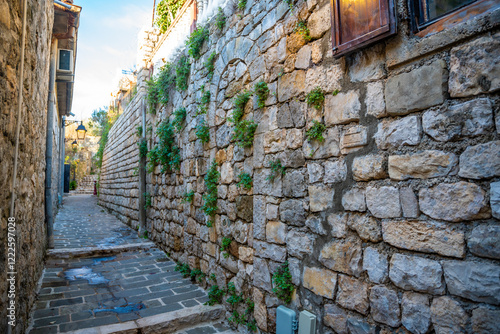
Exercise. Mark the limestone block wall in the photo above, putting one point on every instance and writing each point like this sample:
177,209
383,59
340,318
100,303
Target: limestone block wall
391,224
118,183
29,213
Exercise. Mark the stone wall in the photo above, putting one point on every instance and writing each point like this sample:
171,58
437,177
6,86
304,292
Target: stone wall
391,224
29,213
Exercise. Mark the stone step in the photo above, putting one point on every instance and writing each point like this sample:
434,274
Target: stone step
180,321
70,253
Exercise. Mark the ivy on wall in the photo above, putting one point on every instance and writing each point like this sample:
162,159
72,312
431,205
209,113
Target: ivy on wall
166,11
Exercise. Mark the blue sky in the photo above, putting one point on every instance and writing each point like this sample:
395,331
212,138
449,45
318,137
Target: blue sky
107,43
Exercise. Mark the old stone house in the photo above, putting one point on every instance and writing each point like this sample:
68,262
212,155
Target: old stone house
47,83
381,191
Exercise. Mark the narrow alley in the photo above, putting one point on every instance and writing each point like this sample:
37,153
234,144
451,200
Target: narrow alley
101,278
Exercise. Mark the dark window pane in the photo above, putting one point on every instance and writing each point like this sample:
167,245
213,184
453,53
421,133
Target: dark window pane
432,9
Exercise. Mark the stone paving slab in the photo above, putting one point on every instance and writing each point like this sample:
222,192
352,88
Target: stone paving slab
82,223
91,292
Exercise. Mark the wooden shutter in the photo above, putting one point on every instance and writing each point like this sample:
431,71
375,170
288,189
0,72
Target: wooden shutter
356,23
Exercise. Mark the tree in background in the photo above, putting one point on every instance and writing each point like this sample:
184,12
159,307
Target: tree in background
100,123
166,12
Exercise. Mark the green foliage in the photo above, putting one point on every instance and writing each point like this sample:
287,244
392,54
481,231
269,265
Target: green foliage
244,130
143,148
315,98
290,3
239,104
166,12
138,131
276,170
179,118
316,131
245,181
188,197
226,242
214,295
210,196
153,95
197,275
220,19
203,131
182,71
302,29
148,200
100,123
166,152
183,268
262,92
242,4
335,92
204,101
210,65
282,280
196,40
73,185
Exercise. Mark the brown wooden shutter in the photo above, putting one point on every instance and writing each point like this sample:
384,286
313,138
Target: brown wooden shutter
356,23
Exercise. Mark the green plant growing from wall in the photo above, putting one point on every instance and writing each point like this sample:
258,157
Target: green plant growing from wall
242,4
262,92
204,101
335,92
197,275
210,197
276,170
220,19
179,118
182,71
73,185
152,159
196,40
245,181
282,281
315,132
166,152
203,131
153,95
210,65
215,295
244,130
143,148
302,29
138,131
165,79
226,242
148,201
183,268
188,197
315,98
166,11
289,3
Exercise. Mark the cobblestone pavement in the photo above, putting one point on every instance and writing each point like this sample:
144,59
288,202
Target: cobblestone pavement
79,293
82,223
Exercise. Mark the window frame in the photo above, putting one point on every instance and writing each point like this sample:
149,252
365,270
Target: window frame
339,50
415,10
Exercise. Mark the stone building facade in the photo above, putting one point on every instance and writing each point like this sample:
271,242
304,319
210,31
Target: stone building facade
30,216
390,225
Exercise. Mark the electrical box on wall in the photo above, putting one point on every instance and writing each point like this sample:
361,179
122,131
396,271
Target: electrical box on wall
286,322
307,323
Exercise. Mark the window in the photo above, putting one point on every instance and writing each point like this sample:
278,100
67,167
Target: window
430,11
357,23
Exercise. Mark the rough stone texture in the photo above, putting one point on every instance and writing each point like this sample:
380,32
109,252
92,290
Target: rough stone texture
424,165
427,237
375,102
343,255
468,119
369,167
376,265
384,304
367,227
475,281
495,199
320,198
474,67
353,139
367,64
261,274
419,89
299,244
335,171
484,241
353,294
291,85
292,211
448,316
320,281
358,326
417,273
416,315
409,203
454,202
31,232
485,321
383,202
319,22
276,232
260,310
342,108
402,132
338,224
336,318
481,161
354,200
